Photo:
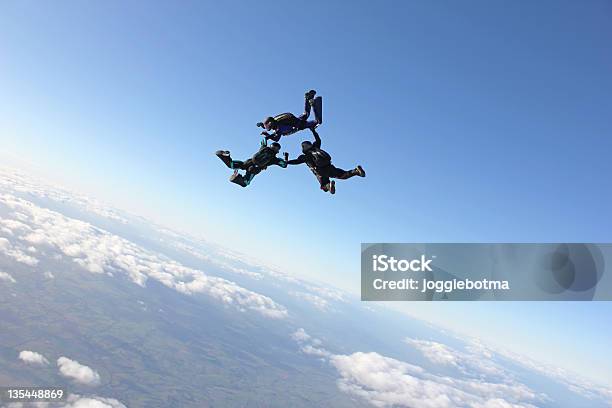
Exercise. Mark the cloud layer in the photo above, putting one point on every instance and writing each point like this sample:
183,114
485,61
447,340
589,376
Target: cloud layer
100,252
387,382
30,231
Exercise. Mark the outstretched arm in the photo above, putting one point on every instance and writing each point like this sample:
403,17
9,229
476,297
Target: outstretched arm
279,162
299,160
317,142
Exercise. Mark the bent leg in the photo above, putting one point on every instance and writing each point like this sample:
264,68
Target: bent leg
317,107
243,181
311,124
225,157
323,177
335,172
237,164
242,165
248,177
324,182
251,172
307,105
237,178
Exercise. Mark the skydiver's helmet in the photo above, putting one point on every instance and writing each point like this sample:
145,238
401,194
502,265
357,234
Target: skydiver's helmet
306,146
276,147
269,123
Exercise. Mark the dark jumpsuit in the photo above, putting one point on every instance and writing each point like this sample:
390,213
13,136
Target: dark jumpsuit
319,163
265,156
288,123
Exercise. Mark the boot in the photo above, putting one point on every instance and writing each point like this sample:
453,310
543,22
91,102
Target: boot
237,178
224,155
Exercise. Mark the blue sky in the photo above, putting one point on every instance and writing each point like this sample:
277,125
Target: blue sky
476,121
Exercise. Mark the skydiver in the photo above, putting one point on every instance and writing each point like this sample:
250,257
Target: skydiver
319,162
265,156
287,123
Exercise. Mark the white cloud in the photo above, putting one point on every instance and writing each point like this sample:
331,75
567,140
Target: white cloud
32,357
99,251
435,352
309,344
473,362
197,253
315,351
388,382
77,401
321,297
574,382
18,182
480,360
326,292
78,372
300,335
316,301
496,403
4,276
16,252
